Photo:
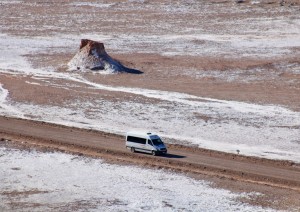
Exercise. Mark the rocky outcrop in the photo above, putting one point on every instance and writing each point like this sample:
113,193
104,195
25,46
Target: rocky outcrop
92,56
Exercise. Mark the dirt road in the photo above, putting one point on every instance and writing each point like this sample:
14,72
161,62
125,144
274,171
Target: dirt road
180,158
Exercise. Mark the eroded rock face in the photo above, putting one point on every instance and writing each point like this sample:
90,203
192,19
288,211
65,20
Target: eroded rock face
92,56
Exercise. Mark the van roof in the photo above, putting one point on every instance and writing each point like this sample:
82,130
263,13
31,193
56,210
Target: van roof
144,134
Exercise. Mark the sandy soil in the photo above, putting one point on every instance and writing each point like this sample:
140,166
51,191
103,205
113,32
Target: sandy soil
225,50
174,72
246,52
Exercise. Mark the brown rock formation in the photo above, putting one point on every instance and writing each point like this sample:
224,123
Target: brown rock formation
92,56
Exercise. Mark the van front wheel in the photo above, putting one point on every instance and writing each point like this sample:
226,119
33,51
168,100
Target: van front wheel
153,153
132,149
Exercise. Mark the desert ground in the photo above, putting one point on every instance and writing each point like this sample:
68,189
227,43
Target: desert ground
219,76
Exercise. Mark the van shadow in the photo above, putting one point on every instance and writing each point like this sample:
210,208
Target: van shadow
172,156
164,155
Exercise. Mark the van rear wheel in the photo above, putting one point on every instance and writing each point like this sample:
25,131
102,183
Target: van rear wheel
153,153
132,149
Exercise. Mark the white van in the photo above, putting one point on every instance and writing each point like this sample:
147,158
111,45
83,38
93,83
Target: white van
145,142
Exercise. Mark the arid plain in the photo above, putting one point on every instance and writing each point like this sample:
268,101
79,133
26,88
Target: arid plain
216,75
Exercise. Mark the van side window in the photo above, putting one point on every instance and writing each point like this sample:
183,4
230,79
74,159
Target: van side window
136,140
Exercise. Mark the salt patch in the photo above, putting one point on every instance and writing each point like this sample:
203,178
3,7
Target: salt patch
5,107
90,4
61,181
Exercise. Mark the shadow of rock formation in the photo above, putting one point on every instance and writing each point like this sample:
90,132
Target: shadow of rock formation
92,56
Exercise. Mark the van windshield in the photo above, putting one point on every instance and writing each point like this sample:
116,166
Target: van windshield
156,141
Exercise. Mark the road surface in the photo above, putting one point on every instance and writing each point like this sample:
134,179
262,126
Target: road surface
181,158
